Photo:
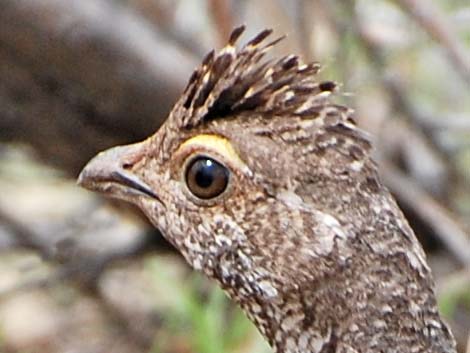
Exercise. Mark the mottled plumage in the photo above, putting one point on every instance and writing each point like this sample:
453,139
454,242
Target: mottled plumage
300,230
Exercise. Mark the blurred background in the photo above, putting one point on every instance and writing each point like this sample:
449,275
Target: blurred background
81,274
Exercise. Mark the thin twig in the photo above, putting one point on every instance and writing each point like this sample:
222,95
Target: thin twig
434,23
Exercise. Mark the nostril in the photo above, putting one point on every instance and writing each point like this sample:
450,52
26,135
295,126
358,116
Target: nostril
127,165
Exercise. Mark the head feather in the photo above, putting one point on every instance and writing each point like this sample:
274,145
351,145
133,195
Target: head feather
234,81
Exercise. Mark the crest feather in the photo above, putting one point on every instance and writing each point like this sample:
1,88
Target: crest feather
235,80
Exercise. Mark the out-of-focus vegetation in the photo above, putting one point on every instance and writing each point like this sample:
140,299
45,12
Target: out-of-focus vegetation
201,313
78,274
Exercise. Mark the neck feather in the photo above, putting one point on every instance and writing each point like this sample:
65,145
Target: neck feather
363,293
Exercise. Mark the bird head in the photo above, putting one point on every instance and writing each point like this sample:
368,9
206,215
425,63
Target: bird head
266,185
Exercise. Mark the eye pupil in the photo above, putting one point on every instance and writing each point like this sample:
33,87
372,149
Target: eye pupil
204,174
206,178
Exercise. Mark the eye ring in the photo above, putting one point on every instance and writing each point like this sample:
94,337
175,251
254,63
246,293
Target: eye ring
206,178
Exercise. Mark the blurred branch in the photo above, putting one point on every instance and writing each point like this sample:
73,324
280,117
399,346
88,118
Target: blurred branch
302,22
77,263
400,99
24,238
458,123
84,275
83,269
221,13
83,75
434,23
393,86
162,16
449,231
409,147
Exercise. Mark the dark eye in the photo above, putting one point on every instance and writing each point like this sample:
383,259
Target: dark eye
206,178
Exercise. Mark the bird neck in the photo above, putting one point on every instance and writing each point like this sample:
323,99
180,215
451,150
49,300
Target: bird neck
367,294
375,308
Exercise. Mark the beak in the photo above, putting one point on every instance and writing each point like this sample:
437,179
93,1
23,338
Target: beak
108,173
